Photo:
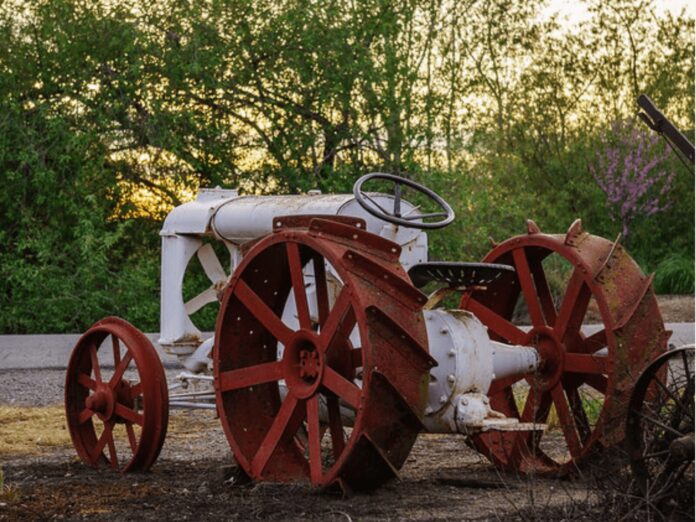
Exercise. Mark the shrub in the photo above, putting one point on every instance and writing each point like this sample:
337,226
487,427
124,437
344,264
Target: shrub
675,275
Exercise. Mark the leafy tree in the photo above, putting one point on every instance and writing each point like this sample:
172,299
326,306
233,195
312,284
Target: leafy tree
113,112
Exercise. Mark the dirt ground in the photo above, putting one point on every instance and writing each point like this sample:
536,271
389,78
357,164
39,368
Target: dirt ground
443,479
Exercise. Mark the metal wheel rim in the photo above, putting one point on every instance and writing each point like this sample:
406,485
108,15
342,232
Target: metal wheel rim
82,382
521,452
290,465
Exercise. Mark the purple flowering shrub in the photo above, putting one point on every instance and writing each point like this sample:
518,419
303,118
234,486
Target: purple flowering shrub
629,168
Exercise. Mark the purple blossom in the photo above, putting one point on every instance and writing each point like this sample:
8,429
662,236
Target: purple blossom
628,168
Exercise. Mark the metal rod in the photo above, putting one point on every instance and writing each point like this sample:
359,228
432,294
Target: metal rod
197,395
189,376
192,405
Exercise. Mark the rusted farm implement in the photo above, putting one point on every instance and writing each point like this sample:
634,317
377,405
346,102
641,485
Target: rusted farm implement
328,360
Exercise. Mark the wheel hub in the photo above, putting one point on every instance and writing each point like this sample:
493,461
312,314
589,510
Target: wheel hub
303,364
101,402
551,353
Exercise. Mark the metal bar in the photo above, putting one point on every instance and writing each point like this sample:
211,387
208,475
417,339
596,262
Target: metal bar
192,405
189,376
196,395
659,123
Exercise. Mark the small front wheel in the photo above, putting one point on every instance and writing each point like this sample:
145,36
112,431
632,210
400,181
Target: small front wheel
116,417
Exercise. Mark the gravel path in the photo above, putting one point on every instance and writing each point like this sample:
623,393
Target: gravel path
39,387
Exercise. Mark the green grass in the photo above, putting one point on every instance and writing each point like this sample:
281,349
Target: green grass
675,275
592,403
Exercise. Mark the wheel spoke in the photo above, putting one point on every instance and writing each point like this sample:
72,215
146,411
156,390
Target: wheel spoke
128,414
321,289
584,363
279,427
537,407
112,451
342,387
527,285
543,289
86,381
335,426
596,341
120,369
84,416
574,306
688,369
262,312
424,216
339,321
375,203
250,376
117,350
598,382
314,439
496,323
677,400
660,424
397,200
566,420
356,355
578,411
95,362
298,285
101,443
136,390
131,437
536,410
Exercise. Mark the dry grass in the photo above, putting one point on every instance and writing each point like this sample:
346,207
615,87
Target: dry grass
25,431
30,430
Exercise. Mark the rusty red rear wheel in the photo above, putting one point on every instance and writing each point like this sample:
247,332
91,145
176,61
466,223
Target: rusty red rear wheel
584,381
332,396
116,397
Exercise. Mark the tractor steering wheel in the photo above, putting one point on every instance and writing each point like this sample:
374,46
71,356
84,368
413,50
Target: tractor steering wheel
395,216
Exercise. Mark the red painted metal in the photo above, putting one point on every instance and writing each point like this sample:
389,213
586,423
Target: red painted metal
281,439
113,418
589,391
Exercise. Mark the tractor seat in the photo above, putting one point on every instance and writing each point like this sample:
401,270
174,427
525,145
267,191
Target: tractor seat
457,274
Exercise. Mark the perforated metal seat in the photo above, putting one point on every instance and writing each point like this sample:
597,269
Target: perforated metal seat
457,274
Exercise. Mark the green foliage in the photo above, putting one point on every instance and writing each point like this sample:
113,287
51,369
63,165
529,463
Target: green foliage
100,100
675,275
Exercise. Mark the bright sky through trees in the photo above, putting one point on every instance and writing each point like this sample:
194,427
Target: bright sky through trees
572,12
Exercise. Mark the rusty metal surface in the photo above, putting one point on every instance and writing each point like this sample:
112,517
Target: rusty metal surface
282,439
115,421
602,366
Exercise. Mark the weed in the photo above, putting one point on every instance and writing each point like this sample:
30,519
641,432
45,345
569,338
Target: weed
8,493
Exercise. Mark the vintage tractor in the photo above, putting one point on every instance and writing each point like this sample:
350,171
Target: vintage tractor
328,359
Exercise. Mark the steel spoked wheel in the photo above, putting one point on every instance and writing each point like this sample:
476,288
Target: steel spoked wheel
116,397
298,399
583,382
660,429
